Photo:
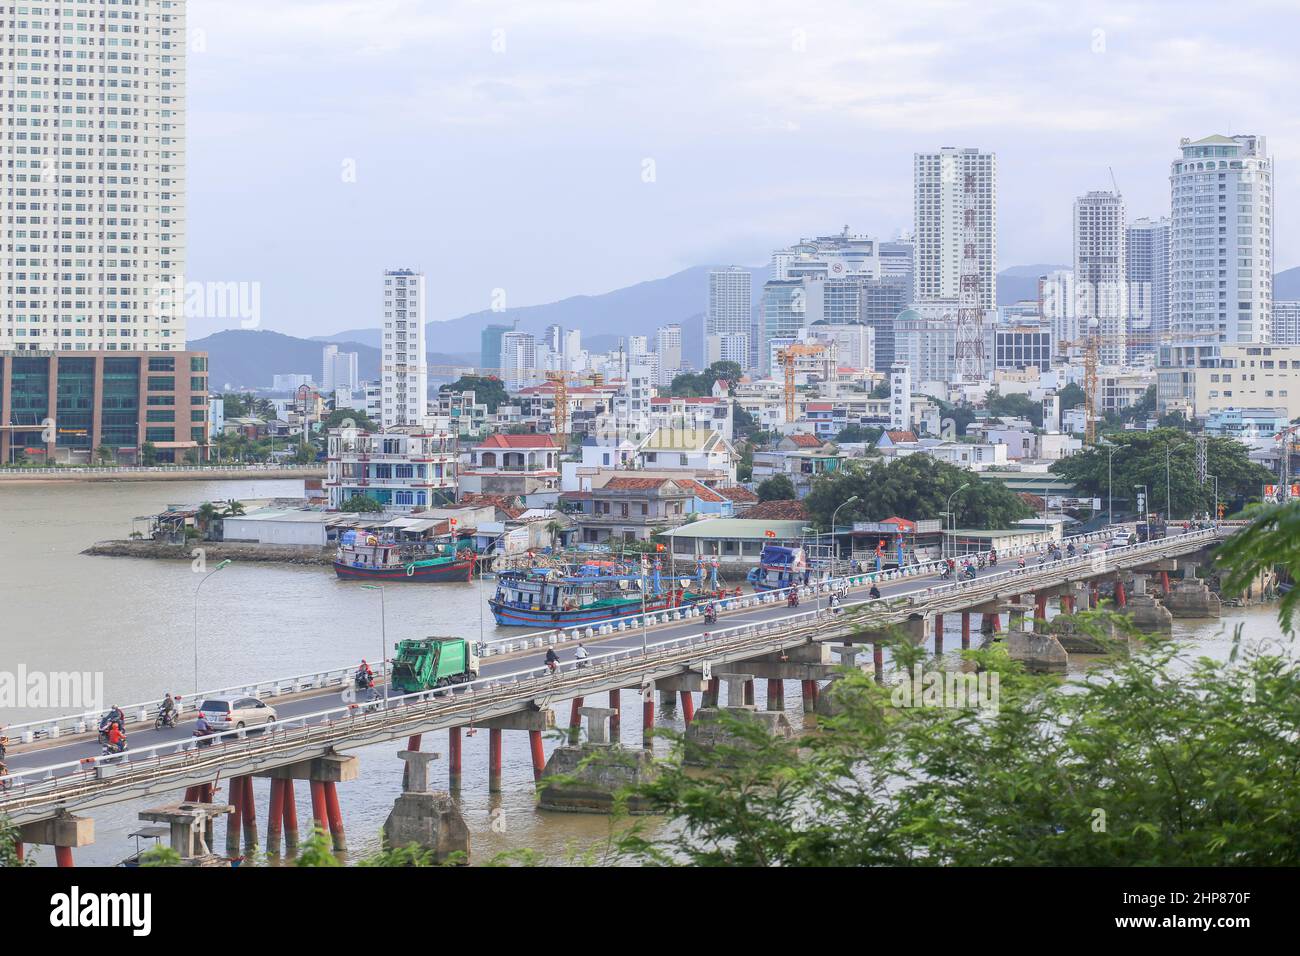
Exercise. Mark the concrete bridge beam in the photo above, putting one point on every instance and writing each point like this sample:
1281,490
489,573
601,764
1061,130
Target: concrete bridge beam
331,768
65,832
530,719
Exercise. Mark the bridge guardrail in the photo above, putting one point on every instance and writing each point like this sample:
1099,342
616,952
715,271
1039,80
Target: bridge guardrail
54,727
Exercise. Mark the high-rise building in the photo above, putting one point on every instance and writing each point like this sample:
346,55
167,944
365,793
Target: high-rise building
940,198
1286,322
490,345
338,370
1221,241
726,348
1099,271
93,142
405,370
668,346
731,306
1147,261
519,360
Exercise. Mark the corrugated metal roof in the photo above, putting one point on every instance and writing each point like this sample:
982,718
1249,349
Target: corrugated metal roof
737,528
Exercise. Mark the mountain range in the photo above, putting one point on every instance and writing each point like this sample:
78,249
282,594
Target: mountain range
240,358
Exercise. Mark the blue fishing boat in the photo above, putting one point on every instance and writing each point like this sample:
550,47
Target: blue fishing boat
591,593
780,567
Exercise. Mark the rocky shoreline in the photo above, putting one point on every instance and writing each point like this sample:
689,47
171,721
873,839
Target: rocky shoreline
215,551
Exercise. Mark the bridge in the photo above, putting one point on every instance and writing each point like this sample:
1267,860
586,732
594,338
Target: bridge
58,775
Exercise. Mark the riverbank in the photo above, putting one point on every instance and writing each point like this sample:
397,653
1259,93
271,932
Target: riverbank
164,473
215,551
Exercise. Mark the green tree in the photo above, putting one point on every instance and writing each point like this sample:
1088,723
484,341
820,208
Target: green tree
776,488
882,390
339,416
9,846
149,453
488,389
1164,763
361,504
1015,406
698,384
1072,396
1139,459
914,487
858,433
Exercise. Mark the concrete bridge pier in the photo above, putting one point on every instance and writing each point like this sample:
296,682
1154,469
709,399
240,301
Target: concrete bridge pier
454,758
827,703
423,817
65,832
616,718
188,823
708,733
938,635
965,630
575,719
1144,610
1040,611
587,778
775,694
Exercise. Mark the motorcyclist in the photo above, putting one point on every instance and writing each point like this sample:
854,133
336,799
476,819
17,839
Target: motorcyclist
1071,551
792,599
365,676
1020,564
167,711
580,655
711,613
993,558
874,592
116,739
552,660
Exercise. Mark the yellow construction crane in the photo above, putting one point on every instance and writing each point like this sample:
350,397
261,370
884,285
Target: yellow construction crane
560,413
1090,344
786,358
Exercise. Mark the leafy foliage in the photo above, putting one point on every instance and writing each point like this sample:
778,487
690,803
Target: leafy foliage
1139,459
776,488
914,487
361,504
1165,761
698,384
1015,406
859,433
488,389
1272,540
1072,396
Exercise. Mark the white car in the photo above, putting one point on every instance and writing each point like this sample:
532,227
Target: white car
1123,539
233,712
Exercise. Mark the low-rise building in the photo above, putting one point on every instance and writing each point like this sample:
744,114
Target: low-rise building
512,465
629,508
687,448
403,470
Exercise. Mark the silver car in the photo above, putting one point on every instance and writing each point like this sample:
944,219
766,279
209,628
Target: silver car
232,712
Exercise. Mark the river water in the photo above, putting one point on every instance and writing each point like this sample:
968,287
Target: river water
133,620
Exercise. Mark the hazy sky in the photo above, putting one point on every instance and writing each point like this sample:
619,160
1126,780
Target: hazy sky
509,145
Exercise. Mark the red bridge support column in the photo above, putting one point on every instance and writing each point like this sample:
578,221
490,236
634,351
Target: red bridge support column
234,822
250,816
539,755
709,698
775,694
938,633
647,720
20,852
275,818
63,856
1040,609
1120,597
688,706
1164,582
453,758
809,693
615,719
575,721
320,817
965,630
996,620
290,818
335,815
878,662
412,743
494,761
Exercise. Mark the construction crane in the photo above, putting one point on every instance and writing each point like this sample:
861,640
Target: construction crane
1090,344
560,414
786,358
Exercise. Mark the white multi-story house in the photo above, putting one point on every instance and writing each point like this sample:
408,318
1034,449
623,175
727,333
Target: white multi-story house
1221,241
699,449
939,184
404,373
1100,272
402,470
707,412
93,198
512,465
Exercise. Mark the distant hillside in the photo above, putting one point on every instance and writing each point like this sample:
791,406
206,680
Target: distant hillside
1017,283
635,310
1286,284
251,358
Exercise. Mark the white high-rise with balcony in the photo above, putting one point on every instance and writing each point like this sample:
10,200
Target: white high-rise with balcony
92,102
520,355
1147,250
668,347
731,310
939,195
405,372
1221,241
1100,271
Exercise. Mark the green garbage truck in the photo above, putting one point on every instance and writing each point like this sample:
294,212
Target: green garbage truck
428,662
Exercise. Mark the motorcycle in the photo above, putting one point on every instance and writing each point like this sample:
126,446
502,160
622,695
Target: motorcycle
710,615
112,750
793,599
165,718
874,593
112,717
945,574
201,737
968,573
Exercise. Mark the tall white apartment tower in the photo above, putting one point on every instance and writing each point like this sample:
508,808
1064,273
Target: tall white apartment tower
1100,272
405,372
939,193
92,136
520,359
731,307
900,397
1221,241
668,346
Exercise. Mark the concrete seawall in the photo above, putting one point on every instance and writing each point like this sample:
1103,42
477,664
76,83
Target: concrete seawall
214,551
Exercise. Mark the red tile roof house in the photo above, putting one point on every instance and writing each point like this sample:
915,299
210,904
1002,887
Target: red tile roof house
511,465
630,509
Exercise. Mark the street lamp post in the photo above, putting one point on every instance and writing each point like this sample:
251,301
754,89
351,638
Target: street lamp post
383,634
952,519
196,622
834,515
